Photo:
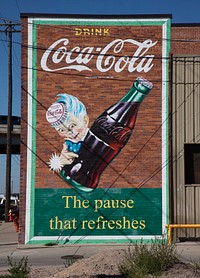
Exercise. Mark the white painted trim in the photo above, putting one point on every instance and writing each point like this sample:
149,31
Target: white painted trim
164,126
99,19
29,135
62,238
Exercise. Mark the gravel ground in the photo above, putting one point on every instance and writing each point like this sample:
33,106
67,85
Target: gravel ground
102,265
105,264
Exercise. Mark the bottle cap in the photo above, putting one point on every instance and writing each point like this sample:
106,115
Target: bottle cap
145,82
56,114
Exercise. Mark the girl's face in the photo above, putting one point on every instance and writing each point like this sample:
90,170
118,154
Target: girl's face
74,129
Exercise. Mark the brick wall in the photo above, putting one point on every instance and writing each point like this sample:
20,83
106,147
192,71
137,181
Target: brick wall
23,137
185,39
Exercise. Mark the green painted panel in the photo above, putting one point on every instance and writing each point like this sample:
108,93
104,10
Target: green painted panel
113,212
122,22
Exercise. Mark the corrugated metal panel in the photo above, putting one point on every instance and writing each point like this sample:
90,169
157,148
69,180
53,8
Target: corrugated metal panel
197,211
185,129
197,99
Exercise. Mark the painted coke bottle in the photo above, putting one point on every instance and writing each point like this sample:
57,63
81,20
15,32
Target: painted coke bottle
109,133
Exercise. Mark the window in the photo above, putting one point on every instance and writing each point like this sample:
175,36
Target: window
192,163
15,120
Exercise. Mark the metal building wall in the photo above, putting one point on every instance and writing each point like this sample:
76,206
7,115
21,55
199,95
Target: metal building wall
185,129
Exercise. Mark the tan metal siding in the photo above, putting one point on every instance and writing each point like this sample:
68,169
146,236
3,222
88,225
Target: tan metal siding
197,211
185,129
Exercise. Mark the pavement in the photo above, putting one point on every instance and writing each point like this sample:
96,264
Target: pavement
41,255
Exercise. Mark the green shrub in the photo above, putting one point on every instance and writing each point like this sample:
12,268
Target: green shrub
147,259
19,269
196,264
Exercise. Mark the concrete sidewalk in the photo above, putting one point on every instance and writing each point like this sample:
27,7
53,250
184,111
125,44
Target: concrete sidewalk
43,255
7,233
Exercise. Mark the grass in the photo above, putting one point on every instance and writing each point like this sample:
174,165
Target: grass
18,269
148,259
196,264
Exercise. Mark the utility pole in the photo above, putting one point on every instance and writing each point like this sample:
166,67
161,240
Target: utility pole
9,29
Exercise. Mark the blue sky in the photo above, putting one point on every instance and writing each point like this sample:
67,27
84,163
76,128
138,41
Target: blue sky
182,11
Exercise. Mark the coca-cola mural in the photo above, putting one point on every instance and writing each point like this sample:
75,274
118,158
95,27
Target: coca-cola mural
95,104
58,54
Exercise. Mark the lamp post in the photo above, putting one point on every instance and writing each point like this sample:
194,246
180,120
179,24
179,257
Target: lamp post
9,30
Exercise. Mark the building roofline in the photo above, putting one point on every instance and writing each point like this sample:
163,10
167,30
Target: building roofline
95,16
185,24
